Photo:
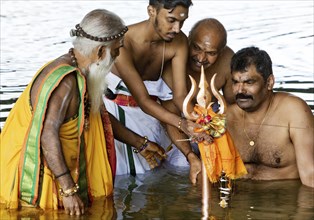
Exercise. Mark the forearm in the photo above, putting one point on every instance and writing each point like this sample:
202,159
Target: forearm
124,134
159,112
178,101
175,136
184,146
52,151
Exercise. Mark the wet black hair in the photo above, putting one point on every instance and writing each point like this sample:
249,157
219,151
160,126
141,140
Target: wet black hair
170,4
248,56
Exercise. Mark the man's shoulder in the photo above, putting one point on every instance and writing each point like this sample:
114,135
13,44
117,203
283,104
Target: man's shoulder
222,64
62,70
180,39
183,36
292,109
227,53
179,45
135,26
287,97
135,32
289,100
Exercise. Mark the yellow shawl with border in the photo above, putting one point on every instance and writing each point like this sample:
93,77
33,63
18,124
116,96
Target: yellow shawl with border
25,177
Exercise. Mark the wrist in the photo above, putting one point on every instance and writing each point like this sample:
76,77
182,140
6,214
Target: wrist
142,147
188,154
69,192
179,125
62,174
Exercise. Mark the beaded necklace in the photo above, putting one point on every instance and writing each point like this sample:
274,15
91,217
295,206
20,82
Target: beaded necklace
86,101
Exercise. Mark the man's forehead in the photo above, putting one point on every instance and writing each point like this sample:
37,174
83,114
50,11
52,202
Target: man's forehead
179,12
248,73
241,76
205,41
206,46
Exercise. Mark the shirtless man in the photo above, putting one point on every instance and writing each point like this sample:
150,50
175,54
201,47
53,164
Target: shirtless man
207,47
273,131
148,46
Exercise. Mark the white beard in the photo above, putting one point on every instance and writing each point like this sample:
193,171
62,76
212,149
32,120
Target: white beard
96,80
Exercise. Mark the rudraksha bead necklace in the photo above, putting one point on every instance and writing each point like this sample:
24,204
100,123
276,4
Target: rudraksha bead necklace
86,101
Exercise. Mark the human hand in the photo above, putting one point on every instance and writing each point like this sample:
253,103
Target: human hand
195,167
73,205
188,127
152,153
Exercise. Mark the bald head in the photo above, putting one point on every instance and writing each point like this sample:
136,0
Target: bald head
209,26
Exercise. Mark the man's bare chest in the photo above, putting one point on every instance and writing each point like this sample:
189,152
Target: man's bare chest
150,61
269,146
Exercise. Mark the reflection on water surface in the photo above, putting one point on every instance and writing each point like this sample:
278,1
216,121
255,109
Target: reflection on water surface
168,194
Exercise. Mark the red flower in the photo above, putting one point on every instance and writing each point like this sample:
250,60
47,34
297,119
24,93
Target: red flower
207,118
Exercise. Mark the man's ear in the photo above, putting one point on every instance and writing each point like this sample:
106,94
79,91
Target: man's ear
151,11
270,82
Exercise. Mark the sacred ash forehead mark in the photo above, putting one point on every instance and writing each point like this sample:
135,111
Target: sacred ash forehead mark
182,15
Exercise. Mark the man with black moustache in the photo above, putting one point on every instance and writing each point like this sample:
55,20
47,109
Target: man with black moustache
273,131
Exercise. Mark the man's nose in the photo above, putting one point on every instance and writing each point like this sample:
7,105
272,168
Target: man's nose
201,57
176,27
241,88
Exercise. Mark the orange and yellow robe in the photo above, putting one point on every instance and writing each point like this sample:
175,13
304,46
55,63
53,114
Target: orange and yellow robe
25,178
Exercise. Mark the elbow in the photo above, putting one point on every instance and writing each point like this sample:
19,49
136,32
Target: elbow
308,181
307,175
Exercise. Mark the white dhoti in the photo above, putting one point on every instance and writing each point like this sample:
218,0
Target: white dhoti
143,124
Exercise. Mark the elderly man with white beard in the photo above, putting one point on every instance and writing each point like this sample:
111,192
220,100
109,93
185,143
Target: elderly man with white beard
57,143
